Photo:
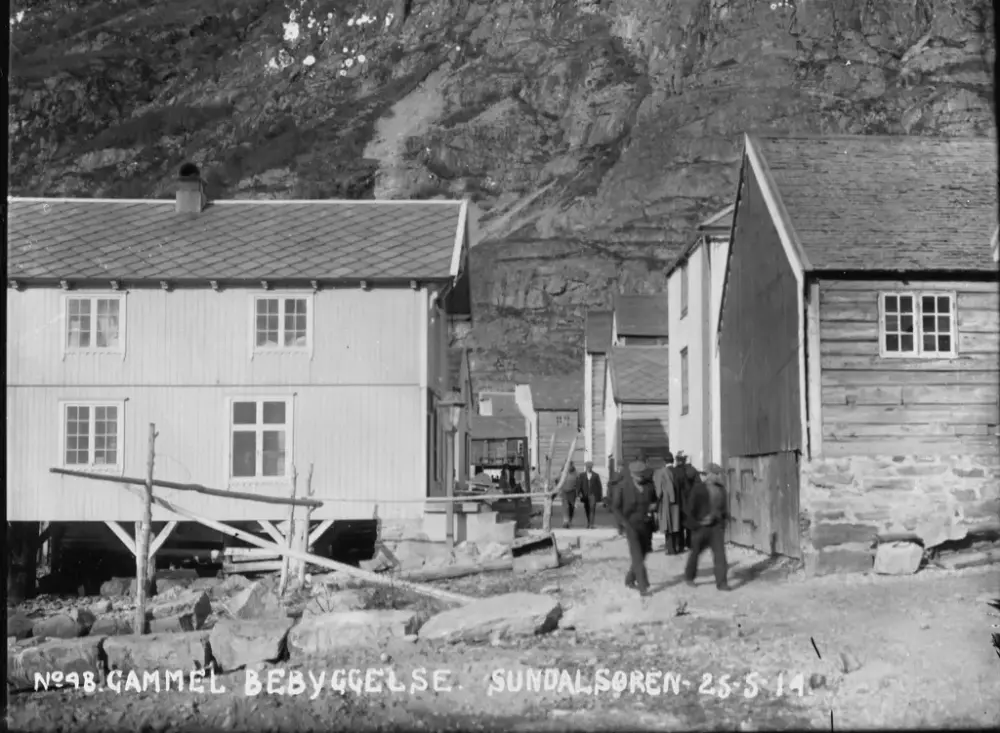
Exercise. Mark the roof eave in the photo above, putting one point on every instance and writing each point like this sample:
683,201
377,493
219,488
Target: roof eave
221,282
642,401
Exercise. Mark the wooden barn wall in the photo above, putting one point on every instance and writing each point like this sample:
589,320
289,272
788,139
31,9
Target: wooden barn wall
564,439
893,406
645,431
600,443
759,359
359,439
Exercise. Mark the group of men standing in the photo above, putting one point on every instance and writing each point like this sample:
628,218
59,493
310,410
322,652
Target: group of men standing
689,506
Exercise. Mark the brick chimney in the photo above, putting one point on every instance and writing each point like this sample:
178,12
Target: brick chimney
190,191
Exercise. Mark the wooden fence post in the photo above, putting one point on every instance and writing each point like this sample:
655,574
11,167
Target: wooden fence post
143,560
303,529
547,511
286,566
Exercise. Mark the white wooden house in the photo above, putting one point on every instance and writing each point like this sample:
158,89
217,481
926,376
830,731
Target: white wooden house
597,344
258,336
694,291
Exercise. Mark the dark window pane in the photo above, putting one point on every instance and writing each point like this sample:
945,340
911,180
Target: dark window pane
906,303
906,324
944,343
244,413
930,343
928,323
892,343
906,343
927,303
892,324
944,324
274,453
244,453
274,413
943,304
891,304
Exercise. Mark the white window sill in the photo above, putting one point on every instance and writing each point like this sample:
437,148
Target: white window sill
93,352
919,357
263,481
282,352
102,469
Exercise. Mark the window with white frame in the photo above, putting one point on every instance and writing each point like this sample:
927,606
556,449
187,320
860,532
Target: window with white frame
92,435
94,323
684,289
282,323
685,397
260,438
917,324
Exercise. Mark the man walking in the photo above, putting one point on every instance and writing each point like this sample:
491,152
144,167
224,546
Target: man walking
590,491
631,503
567,491
669,509
707,519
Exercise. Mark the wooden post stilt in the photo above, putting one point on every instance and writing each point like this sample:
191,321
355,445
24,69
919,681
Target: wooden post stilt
286,562
547,511
303,529
143,560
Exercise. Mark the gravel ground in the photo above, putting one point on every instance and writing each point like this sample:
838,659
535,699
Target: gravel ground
922,643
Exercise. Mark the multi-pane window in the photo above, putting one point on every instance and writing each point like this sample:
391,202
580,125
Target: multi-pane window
93,323
564,420
92,435
281,323
684,289
917,324
260,435
685,403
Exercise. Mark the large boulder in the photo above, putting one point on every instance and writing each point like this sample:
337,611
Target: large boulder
157,652
330,632
508,615
117,587
236,644
64,656
325,601
169,579
69,625
898,558
256,602
413,554
19,626
193,605
111,626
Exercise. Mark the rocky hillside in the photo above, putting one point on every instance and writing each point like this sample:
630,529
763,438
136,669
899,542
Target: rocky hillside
593,133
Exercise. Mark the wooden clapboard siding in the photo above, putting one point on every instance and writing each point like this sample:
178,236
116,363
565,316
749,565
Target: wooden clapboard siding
597,425
877,405
759,357
645,431
564,437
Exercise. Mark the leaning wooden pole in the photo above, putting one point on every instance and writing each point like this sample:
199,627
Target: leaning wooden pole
547,506
305,527
562,477
142,570
285,562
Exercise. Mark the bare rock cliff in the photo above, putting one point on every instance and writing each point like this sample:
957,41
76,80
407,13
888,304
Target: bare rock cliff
592,133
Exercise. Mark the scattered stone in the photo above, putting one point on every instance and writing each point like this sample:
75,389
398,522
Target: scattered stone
494,551
191,603
971,560
69,625
413,554
103,606
188,574
53,655
170,584
256,602
849,662
326,601
19,626
379,563
171,624
158,652
550,589
237,644
898,558
412,638
536,561
117,587
209,584
334,631
509,615
817,681
111,626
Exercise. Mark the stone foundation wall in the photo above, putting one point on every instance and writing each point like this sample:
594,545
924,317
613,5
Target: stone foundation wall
845,502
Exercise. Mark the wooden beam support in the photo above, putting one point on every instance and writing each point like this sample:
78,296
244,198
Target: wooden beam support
122,535
162,537
322,562
319,531
271,530
190,487
145,561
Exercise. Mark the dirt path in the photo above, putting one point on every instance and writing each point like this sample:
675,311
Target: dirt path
922,643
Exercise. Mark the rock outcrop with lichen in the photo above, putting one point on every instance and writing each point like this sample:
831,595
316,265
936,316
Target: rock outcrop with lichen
592,133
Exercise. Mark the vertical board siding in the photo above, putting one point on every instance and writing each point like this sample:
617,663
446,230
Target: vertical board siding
717,268
906,406
759,381
612,431
645,431
764,503
687,332
599,429
564,439
437,352
202,337
360,440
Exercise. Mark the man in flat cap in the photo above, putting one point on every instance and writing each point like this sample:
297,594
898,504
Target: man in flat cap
669,509
632,502
568,494
590,491
707,516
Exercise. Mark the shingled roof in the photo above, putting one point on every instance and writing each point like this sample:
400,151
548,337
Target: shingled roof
557,393
485,427
640,374
504,404
597,334
886,203
101,239
641,315
719,224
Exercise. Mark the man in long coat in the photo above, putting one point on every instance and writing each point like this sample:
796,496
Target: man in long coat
568,492
590,491
669,509
632,501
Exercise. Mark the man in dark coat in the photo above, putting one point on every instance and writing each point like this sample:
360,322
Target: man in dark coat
682,489
669,506
568,494
632,501
590,491
708,514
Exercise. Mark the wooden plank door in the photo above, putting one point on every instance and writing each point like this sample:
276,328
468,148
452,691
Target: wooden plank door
743,501
784,504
